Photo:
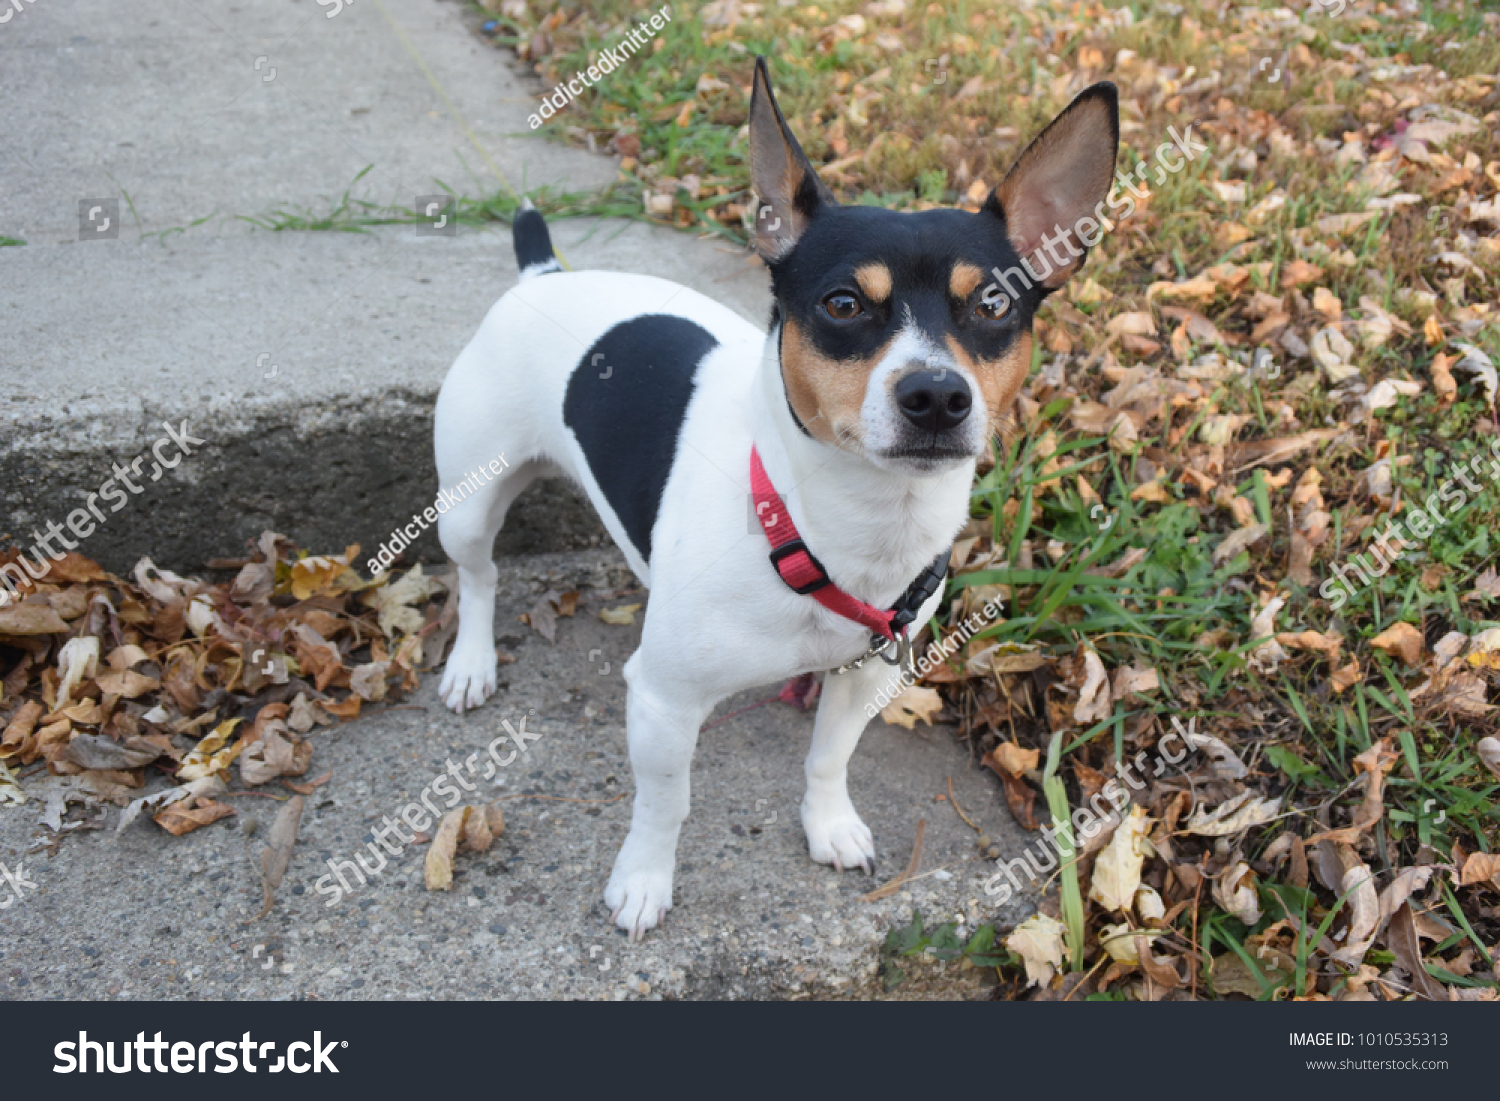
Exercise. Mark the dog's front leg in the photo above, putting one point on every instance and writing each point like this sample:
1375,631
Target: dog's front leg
662,721
835,833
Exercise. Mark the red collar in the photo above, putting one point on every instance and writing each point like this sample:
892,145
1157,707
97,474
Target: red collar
805,574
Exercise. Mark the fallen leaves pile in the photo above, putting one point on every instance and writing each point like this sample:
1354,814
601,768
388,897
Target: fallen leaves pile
113,682
1157,874
1216,878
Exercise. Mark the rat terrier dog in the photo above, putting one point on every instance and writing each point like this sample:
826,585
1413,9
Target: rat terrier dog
850,432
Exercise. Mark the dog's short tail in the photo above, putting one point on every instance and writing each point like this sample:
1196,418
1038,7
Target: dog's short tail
534,255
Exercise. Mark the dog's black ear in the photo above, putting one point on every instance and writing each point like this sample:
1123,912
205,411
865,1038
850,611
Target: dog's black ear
1058,184
788,188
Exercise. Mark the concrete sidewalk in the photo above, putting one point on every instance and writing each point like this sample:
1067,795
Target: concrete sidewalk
308,362
231,107
101,339
144,915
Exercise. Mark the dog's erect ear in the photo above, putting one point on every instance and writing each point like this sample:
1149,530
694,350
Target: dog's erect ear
1057,184
789,190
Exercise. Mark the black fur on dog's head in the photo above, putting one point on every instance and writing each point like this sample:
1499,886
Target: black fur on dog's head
892,326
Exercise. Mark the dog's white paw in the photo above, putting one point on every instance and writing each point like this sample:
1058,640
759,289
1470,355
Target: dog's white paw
469,678
836,835
639,892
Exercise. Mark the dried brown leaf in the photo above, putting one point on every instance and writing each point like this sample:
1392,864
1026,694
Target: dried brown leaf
1010,759
1375,762
916,702
189,814
438,869
1039,942
30,619
1363,906
277,854
1481,868
1117,871
127,684
18,743
1401,640
1094,702
1234,891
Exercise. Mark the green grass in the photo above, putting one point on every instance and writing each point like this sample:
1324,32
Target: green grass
349,214
939,942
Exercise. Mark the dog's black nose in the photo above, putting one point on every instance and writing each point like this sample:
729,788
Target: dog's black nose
934,399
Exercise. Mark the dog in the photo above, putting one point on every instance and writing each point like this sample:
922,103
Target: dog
849,432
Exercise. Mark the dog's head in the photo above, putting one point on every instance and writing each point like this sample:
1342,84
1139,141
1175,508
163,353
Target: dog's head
905,337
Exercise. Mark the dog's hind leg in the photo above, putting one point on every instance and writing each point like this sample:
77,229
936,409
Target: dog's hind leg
663,715
467,531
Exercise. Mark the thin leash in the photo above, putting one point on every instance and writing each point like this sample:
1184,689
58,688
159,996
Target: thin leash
457,117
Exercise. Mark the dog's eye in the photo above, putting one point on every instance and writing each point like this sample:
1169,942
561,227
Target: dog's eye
842,306
992,307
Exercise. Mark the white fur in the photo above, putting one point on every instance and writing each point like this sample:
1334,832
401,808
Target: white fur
719,619
541,267
881,418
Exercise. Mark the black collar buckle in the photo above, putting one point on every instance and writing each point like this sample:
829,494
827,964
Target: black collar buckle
919,592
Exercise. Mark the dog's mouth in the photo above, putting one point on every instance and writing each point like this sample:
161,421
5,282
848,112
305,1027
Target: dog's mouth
926,458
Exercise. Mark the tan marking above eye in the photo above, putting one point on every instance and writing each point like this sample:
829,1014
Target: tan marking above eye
826,394
999,379
963,280
874,280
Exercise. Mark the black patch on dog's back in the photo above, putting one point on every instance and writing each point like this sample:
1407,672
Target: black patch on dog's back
627,421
